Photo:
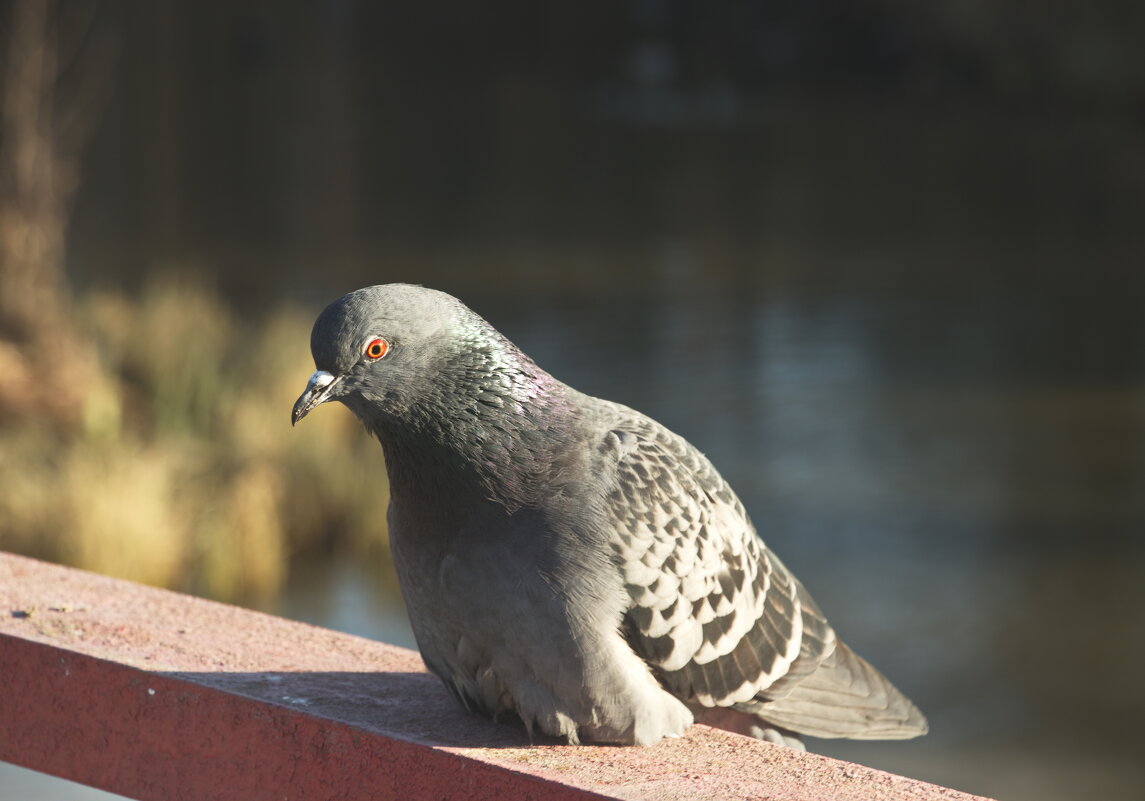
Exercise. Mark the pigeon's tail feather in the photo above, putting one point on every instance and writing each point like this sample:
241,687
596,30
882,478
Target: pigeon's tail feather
845,697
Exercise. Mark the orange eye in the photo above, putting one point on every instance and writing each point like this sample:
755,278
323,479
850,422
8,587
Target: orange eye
376,348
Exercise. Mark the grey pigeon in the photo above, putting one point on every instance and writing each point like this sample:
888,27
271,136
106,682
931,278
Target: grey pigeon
568,559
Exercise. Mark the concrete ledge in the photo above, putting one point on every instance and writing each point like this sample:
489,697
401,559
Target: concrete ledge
158,695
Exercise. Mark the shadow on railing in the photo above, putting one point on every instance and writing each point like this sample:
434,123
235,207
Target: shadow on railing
157,695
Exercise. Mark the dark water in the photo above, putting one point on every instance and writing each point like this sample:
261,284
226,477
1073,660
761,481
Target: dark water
958,478
958,481
914,346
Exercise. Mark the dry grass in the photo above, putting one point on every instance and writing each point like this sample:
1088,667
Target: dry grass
186,472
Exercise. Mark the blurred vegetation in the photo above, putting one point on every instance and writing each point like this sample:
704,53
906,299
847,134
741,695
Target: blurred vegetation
183,470
146,435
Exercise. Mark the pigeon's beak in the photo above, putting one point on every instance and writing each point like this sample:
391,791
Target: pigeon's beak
318,390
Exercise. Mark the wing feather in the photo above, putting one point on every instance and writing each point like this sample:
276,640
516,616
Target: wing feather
719,618
713,611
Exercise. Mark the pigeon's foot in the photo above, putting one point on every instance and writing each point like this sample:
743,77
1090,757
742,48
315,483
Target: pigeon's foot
666,717
645,724
778,736
739,722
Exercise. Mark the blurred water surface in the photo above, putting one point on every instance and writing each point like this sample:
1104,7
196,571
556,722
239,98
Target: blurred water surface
905,323
955,473
958,482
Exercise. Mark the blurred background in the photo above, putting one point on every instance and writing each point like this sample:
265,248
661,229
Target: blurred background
881,260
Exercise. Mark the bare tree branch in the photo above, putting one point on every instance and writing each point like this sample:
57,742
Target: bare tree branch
43,130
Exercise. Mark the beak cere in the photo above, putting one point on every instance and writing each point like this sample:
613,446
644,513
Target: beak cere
317,391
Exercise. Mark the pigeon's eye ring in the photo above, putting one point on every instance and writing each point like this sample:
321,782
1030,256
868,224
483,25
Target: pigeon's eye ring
376,348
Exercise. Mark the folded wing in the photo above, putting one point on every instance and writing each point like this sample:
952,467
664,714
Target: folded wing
720,619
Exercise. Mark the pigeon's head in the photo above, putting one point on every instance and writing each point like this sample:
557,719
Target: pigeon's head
377,348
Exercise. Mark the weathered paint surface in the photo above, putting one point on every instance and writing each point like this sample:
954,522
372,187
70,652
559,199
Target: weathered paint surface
158,695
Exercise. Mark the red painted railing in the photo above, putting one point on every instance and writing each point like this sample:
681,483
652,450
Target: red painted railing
157,695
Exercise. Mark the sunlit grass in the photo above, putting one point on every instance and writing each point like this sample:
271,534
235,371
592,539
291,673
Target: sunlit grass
186,472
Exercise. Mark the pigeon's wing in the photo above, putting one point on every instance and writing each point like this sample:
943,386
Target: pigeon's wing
715,613
718,616
845,697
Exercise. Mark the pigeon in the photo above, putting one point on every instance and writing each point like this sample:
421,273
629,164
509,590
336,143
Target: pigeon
569,561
